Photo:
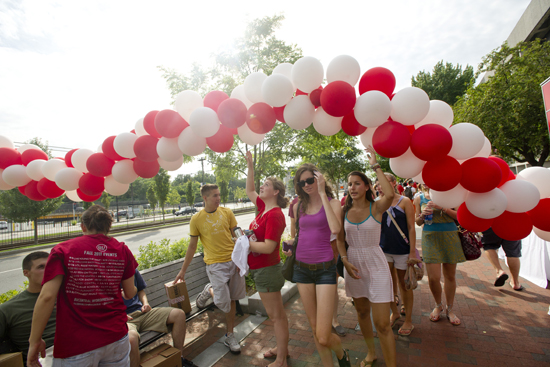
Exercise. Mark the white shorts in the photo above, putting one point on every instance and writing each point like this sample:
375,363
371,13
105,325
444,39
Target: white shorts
399,261
227,284
116,354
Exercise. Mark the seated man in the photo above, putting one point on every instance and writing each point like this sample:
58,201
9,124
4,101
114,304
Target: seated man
16,314
141,318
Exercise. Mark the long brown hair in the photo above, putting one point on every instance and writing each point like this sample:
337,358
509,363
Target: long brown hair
368,195
97,219
304,198
282,200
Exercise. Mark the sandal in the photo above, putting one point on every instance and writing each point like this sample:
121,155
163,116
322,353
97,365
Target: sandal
455,321
365,363
499,282
438,316
405,332
344,362
392,323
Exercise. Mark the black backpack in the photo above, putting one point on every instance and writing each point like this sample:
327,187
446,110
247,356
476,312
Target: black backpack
408,193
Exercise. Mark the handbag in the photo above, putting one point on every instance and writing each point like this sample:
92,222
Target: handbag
410,278
471,244
417,267
288,266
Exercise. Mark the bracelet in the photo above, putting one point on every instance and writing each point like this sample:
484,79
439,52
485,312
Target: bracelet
375,166
342,257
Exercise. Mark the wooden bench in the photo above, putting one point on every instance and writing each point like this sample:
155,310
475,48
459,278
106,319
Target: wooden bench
156,277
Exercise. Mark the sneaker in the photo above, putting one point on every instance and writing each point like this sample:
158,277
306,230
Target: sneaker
232,343
204,296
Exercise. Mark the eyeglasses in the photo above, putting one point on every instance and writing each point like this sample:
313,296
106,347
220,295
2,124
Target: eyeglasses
309,181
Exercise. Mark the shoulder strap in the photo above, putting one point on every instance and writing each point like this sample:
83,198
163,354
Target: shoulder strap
297,224
398,228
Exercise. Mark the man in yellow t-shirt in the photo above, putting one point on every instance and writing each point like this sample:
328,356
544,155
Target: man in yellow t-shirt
214,225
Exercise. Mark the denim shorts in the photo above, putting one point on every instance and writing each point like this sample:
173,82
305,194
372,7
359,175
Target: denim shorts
321,276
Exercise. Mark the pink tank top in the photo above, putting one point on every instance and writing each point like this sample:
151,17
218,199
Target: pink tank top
314,238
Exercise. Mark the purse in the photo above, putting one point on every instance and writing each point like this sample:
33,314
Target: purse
288,266
471,243
410,278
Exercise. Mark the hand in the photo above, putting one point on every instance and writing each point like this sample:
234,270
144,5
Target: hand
129,318
352,270
179,277
320,182
36,349
249,161
287,253
145,308
413,260
370,151
427,211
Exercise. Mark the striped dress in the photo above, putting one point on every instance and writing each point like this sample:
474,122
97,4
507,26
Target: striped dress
365,254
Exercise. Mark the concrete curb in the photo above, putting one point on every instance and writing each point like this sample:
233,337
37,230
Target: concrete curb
253,304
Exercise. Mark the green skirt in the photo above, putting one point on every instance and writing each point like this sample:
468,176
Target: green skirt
442,248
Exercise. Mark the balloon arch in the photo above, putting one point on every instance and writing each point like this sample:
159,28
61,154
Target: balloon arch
414,132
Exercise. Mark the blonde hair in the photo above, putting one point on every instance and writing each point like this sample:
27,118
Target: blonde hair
282,201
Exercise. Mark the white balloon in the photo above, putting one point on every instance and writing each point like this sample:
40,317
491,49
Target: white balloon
123,171
522,195
468,139
3,184
204,122
407,164
299,112
277,90
372,108
16,175
72,195
67,178
366,137
140,130
451,198
253,86
440,113
168,149
239,94
186,102
485,151
115,188
24,147
171,166
124,145
307,74
487,205
34,169
190,143
326,124
248,136
345,68
5,142
418,178
410,105
99,148
286,69
543,235
80,157
538,176
51,167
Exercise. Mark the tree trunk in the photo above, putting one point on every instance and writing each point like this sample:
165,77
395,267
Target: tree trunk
163,221
35,231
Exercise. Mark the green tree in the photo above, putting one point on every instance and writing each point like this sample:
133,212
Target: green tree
173,197
239,193
509,107
189,193
162,188
152,199
106,200
87,204
180,179
337,165
224,191
446,82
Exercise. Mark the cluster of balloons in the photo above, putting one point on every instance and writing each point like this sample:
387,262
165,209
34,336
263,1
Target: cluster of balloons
414,132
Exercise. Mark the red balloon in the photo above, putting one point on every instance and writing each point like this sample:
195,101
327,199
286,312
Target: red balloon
146,169
21,189
232,113
109,150
430,142
411,129
280,113
511,176
260,118
470,222
91,185
87,198
391,139
222,141
169,123
31,191
49,189
377,78
149,124
145,148
30,155
98,164
69,155
539,215
8,157
351,126
214,98
300,93
442,174
133,131
480,175
512,226
315,96
503,168
338,98
234,131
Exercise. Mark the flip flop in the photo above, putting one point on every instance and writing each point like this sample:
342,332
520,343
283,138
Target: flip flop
365,363
501,280
518,289
394,322
405,332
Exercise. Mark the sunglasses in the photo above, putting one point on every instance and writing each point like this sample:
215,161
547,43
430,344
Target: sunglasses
309,181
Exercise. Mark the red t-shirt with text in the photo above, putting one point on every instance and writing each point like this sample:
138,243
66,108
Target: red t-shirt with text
90,309
270,226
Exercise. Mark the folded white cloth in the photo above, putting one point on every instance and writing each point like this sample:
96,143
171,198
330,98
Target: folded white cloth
240,254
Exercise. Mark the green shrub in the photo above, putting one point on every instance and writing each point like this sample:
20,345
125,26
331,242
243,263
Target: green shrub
73,222
5,297
154,254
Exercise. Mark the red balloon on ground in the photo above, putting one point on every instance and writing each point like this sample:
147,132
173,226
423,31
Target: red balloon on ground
30,155
109,150
149,124
503,168
443,174
470,222
338,98
391,139
480,175
49,189
145,148
146,169
539,215
260,118
512,226
232,113
8,157
91,185
351,126
214,98
315,96
377,78
32,192
279,113
98,164
430,142
70,153
87,198
169,123
222,141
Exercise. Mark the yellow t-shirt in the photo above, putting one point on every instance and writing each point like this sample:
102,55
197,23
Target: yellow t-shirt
214,231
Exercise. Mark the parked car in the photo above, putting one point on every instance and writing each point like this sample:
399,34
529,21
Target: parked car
186,210
3,224
199,205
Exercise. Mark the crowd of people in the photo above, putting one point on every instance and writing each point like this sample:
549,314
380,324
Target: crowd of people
93,281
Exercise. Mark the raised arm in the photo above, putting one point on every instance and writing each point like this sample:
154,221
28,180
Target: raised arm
385,201
333,209
250,190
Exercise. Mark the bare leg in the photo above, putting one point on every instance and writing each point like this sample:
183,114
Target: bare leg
408,300
449,272
335,313
273,303
380,313
134,348
492,256
362,306
434,280
177,319
513,265
395,314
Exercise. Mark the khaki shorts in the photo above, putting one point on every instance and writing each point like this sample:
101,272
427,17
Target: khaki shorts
154,320
116,354
399,261
268,279
227,284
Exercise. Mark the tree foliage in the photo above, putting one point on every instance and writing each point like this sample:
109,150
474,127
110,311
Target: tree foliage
189,193
106,200
509,107
162,188
337,164
174,197
152,198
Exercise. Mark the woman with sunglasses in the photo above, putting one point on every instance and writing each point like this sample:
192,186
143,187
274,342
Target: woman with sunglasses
318,215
